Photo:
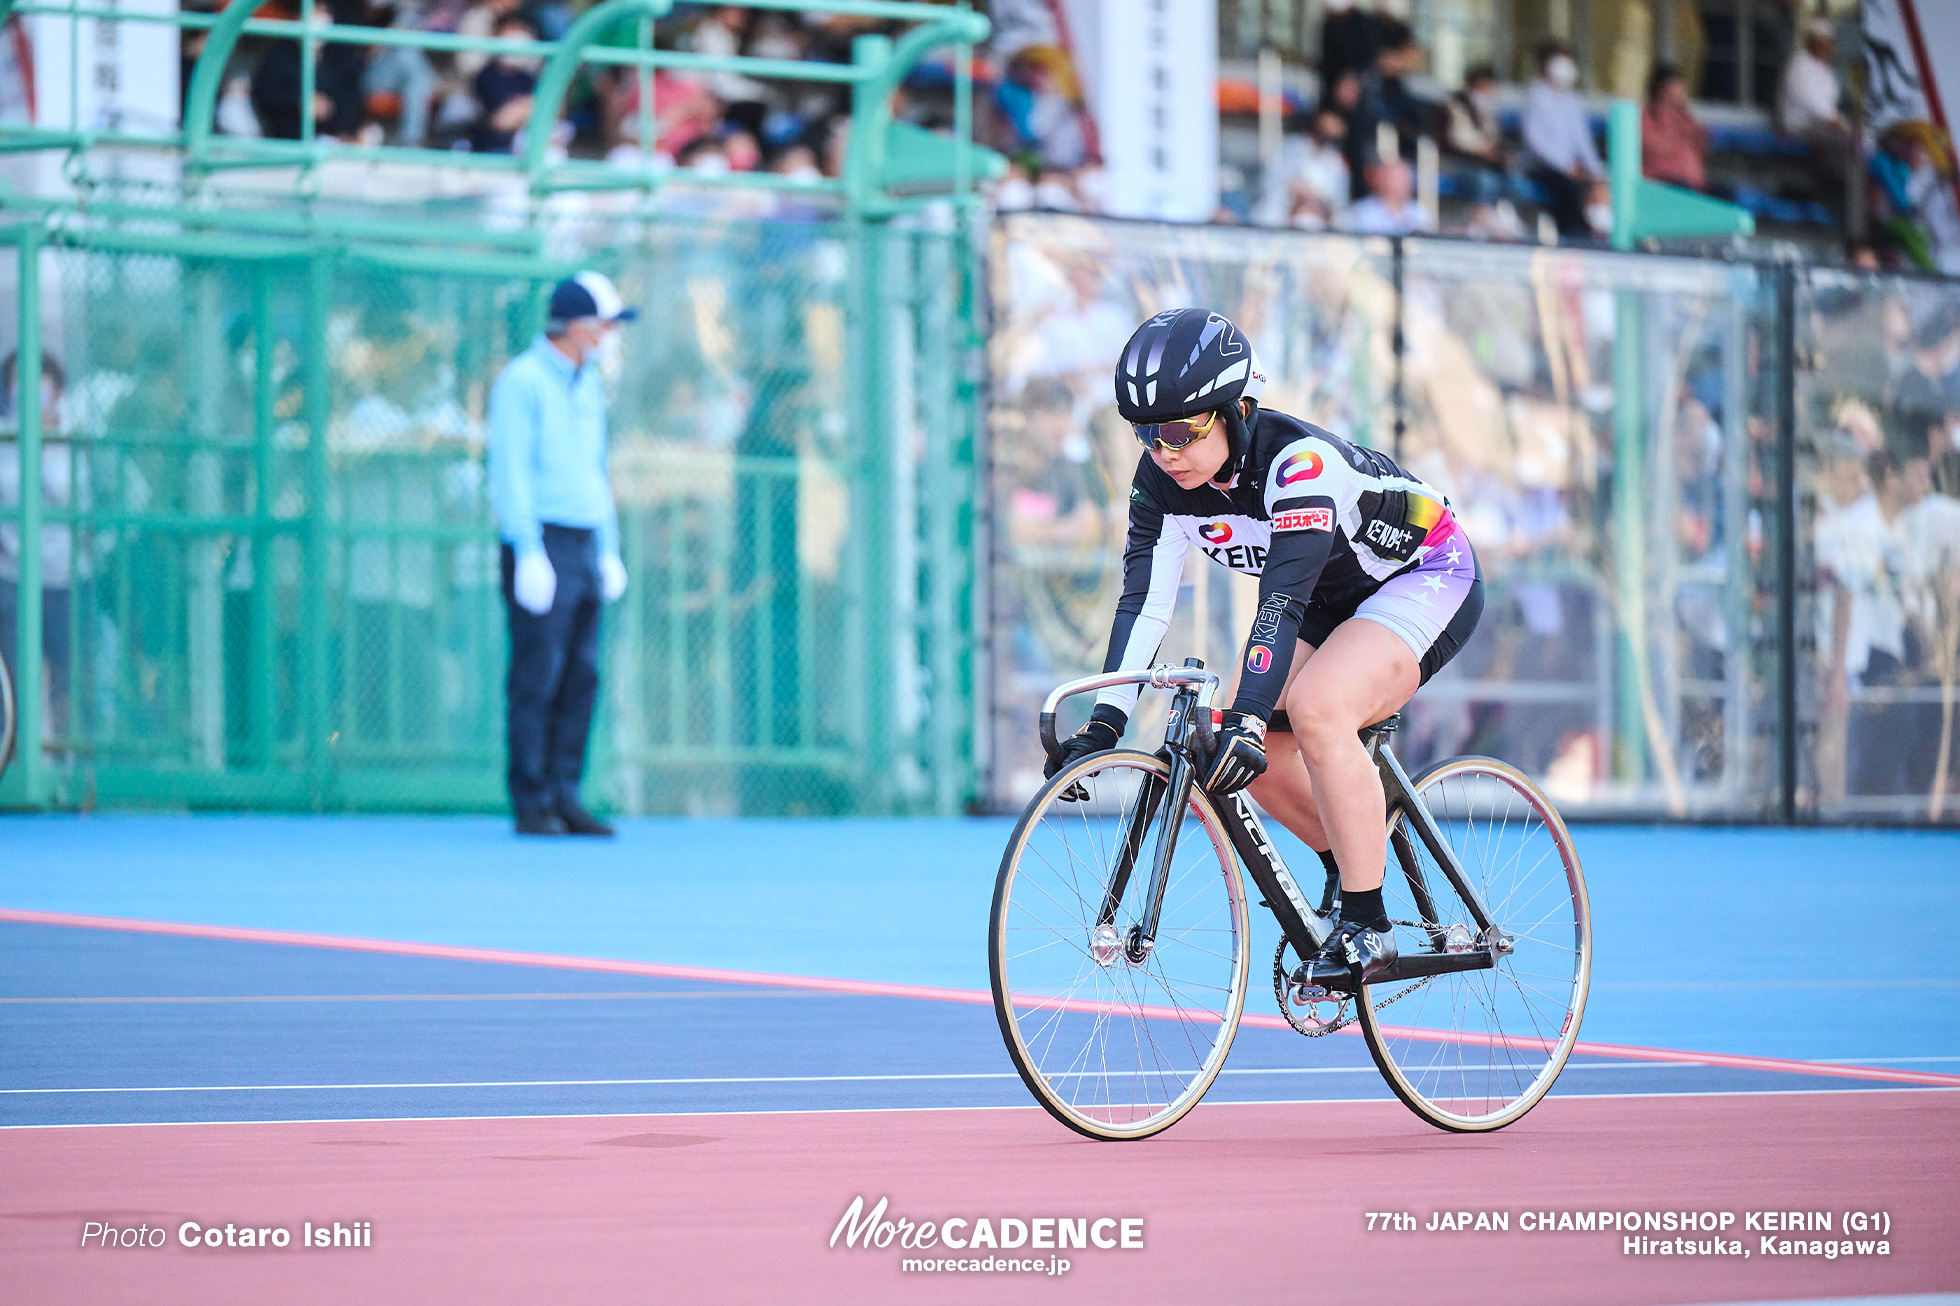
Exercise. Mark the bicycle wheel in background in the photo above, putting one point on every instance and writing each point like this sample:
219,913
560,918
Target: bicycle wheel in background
8,715
1114,1046
1474,1050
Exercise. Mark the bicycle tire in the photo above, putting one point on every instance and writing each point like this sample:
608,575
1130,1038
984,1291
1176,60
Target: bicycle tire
1480,1048
1149,1011
9,715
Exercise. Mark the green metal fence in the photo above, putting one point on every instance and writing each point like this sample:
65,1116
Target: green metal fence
269,577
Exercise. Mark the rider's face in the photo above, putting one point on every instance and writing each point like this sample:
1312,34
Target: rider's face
1196,462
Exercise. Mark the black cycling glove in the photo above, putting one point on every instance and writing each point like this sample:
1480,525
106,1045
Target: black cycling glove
1240,757
1103,732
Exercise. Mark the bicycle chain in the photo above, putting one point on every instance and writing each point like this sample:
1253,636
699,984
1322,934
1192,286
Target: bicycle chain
1340,1022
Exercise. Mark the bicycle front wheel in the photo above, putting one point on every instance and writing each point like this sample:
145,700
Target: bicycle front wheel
1474,1050
1115,1040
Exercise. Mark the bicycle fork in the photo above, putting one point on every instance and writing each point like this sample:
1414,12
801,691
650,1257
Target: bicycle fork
1170,797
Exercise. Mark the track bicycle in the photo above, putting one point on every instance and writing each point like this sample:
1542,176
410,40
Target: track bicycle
1120,935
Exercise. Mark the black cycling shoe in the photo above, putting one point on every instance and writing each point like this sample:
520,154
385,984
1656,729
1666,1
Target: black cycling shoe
532,821
579,821
1353,951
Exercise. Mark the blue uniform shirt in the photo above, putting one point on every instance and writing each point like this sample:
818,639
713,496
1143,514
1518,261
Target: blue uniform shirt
548,450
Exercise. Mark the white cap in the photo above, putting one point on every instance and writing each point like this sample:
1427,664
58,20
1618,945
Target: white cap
589,294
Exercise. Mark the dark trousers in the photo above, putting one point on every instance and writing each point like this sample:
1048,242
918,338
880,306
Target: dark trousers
1565,198
554,674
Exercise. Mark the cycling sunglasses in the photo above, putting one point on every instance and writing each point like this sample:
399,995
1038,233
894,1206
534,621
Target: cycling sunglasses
1174,435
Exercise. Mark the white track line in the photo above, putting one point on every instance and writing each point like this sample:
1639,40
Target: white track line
753,1079
913,1110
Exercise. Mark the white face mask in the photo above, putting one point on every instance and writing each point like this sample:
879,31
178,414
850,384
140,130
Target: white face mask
1563,73
610,354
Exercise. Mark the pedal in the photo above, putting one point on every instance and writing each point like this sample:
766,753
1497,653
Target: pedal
1308,1005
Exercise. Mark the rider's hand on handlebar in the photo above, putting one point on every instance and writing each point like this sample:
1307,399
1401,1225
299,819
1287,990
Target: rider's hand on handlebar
1240,757
1104,732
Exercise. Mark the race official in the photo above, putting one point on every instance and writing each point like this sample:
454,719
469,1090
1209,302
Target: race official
554,506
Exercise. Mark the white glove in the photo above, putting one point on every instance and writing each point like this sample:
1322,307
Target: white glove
612,577
535,585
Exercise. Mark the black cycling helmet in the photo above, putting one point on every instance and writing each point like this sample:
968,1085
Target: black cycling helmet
1184,362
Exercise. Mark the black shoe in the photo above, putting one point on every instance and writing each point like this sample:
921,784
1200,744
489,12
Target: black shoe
574,819
1352,951
539,822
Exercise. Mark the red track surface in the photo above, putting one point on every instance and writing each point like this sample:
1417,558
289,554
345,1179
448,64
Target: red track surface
739,1208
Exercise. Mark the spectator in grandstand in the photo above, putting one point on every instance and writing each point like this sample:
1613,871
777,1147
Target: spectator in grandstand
1391,210
1928,390
1350,38
1807,108
1059,495
404,76
1400,58
59,491
276,83
1912,172
1558,138
480,19
1673,144
1041,111
1807,101
1474,144
722,32
1307,186
504,88
550,491
1344,99
1475,138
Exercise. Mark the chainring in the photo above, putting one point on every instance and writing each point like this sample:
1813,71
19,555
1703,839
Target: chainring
1310,1025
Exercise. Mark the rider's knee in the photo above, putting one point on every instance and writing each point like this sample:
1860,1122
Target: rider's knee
1319,727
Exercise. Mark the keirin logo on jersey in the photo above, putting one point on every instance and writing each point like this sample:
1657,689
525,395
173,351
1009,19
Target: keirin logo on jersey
1265,631
1217,532
1302,466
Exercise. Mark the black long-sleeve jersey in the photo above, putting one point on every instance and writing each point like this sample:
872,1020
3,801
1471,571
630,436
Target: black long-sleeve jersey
1307,512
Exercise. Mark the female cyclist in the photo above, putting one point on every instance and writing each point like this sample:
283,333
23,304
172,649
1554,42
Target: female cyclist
1363,572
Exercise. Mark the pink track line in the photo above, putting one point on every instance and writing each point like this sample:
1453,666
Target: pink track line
868,988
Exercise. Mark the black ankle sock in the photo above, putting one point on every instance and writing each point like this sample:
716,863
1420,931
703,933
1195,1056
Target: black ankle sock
1327,860
1364,906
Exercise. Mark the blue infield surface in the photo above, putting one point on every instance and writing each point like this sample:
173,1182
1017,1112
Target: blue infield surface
1721,941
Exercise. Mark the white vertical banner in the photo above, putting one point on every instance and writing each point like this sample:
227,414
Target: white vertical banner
1155,97
124,75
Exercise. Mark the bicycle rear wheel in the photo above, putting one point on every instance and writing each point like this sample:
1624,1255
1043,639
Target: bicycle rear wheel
1117,1046
1474,1050
7,716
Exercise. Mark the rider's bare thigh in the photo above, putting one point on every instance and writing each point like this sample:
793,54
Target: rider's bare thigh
1301,652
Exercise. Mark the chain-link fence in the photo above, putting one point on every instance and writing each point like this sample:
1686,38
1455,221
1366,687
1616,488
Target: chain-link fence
1703,600
1717,505
1878,556
237,611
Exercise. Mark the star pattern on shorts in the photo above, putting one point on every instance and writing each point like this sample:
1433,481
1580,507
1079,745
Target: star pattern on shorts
1432,583
1454,555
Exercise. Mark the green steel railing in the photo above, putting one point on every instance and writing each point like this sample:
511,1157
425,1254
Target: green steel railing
282,587
270,605
879,152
